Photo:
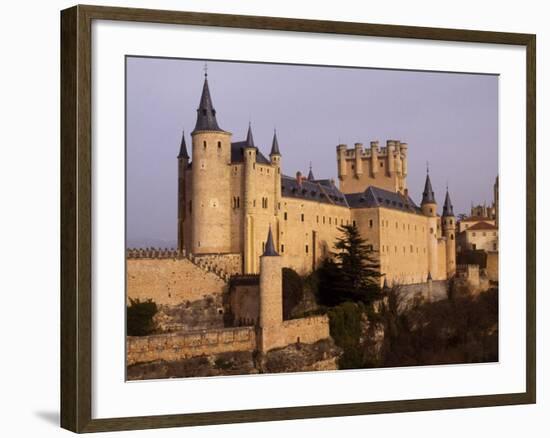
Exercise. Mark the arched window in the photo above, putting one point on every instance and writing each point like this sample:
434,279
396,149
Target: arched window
219,145
204,144
452,237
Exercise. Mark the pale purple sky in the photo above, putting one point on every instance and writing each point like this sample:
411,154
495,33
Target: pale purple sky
448,119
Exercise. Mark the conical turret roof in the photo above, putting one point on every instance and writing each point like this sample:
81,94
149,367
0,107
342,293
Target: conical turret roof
206,114
269,246
310,176
183,148
448,206
428,196
275,145
249,142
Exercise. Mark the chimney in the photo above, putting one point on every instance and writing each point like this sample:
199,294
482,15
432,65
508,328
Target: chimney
299,178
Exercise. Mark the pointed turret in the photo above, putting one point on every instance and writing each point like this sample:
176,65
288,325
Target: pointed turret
249,142
447,206
428,196
206,114
183,148
269,246
275,145
310,176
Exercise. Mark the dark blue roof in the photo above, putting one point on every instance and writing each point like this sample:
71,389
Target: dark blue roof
428,196
448,206
377,197
313,191
206,114
269,246
237,153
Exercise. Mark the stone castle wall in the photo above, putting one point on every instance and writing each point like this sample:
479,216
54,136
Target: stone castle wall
170,280
492,265
229,263
177,346
306,330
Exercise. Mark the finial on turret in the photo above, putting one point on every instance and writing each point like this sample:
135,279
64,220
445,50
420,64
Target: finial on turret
205,69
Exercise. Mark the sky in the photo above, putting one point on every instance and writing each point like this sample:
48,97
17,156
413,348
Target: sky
448,119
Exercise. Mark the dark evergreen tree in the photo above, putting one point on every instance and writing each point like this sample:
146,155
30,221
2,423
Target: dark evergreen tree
353,271
139,317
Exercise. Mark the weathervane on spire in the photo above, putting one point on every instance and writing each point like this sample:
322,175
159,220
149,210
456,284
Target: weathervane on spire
427,167
205,69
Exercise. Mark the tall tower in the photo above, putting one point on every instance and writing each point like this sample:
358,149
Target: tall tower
250,152
275,157
429,208
211,179
271,297
448,223
183,163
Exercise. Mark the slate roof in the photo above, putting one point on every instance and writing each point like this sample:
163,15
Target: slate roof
320,191
482,226
377,197
206,114
183,148
269,246
428,196
275,145
237,153
448,206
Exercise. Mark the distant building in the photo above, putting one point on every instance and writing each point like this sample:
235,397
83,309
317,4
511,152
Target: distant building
481,236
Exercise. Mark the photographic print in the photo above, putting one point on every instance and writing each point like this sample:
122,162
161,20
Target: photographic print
296,218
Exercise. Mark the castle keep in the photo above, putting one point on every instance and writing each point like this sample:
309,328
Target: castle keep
230,193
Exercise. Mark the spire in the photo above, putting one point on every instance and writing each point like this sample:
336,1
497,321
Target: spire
183,148
206,114
310,176
428,196
269,246
249,139
274,145
448,206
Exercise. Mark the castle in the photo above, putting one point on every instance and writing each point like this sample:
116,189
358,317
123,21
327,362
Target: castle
230,194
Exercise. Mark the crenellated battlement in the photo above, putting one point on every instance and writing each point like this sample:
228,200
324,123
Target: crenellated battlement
384,167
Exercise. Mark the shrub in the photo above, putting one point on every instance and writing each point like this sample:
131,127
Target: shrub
139,317
293,291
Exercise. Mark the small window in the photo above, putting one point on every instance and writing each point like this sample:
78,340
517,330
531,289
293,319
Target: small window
354,223
282,248
381,164
323,219
190,206
412,248
370,223
219,145
452,237
329,220
302,217
307,249
204,144
286,215
317,219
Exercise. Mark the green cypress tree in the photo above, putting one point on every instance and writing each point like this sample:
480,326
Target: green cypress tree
357,266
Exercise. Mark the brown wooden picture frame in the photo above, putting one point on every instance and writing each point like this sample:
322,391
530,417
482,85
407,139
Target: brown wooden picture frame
76,218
